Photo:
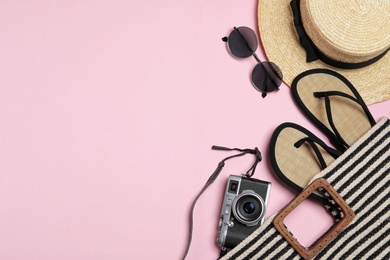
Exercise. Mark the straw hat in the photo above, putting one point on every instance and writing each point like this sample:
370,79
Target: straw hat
343,33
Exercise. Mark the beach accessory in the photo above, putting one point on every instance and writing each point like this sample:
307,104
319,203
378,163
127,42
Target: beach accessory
359,183
346,34
214,176
296,155
332,103
242,43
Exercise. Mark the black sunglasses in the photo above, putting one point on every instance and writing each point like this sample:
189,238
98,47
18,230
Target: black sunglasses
266,76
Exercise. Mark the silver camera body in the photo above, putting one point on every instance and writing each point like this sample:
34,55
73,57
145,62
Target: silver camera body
243,209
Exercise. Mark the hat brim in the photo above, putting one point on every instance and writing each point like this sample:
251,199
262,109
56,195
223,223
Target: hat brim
281,46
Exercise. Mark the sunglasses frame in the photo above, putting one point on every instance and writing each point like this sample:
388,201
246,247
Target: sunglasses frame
259,62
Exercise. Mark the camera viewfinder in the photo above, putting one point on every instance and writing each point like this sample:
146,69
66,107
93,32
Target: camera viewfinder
233,187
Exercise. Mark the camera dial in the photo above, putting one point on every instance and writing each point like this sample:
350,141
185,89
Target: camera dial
248,208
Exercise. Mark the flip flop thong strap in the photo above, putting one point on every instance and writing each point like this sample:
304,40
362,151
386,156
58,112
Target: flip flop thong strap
313,145
333,152
326,95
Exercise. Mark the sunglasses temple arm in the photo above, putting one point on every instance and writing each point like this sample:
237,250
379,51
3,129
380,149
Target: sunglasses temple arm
246,42
272,79
264,93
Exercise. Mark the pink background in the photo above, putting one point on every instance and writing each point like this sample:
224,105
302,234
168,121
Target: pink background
108,112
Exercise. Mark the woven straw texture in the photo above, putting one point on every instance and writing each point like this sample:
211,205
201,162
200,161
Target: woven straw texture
343,35
349,31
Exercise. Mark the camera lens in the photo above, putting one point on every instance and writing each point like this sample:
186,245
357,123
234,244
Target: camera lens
248,208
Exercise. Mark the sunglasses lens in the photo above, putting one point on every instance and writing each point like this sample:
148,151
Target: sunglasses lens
242,42
267,76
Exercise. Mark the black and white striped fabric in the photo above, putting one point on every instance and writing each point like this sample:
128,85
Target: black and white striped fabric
361,176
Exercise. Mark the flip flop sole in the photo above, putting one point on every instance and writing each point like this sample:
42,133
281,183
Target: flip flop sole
349,117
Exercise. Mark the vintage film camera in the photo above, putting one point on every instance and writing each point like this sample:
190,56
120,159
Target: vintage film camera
243,209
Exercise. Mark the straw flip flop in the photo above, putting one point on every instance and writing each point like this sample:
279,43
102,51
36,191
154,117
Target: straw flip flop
333,104
296,155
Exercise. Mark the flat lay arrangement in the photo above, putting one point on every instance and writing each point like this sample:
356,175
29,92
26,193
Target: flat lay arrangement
335,72
194,130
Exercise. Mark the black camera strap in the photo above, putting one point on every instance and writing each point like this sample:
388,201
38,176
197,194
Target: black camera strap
214,176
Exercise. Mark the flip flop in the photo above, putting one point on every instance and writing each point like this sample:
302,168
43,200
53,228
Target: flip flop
296,155
333,104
